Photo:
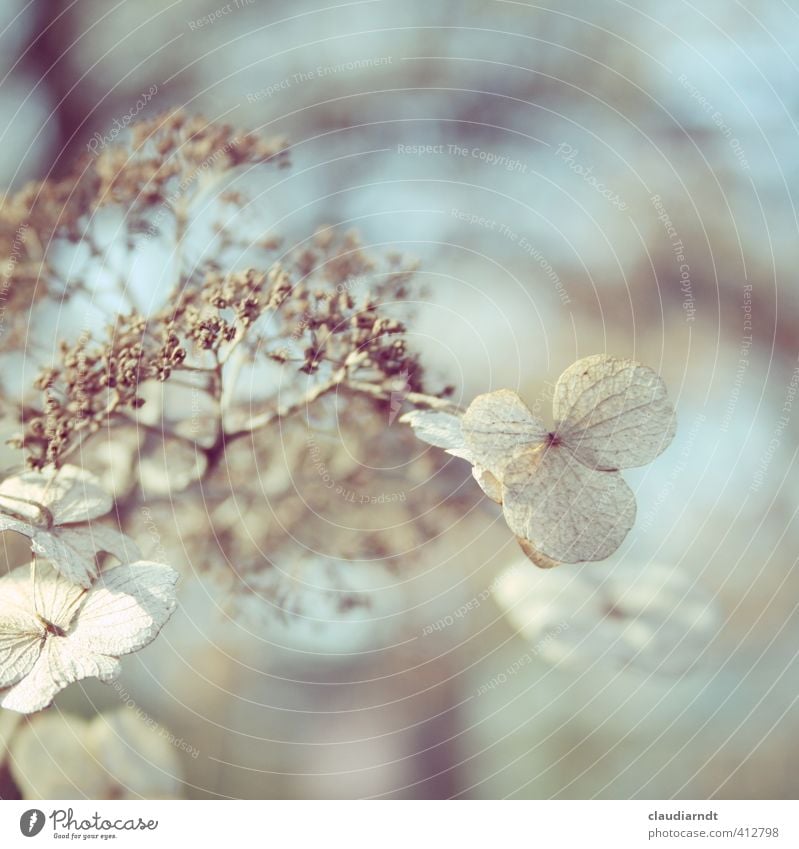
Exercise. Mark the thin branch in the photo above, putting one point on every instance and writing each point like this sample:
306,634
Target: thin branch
418,399
268,417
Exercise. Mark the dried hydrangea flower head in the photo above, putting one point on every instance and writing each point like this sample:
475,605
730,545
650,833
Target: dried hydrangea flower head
116,755
55,510
560,489
649,617
244,355
54,632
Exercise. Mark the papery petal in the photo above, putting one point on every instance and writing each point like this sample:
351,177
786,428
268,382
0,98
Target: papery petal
70,494
92,538
70,661
16,590
21,638
71,554
488,483
57,599
613,413
497,426
565,510
36,690
21,632
440,429
534,556
8,523
59,664
126,608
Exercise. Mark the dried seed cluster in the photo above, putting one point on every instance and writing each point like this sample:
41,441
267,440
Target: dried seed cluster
327,309
91,381
153,177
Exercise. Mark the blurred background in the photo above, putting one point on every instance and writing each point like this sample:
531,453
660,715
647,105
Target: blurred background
574,178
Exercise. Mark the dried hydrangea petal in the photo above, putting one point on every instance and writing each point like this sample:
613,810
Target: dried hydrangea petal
488,483
535,556
497,426
78,634
613,413
71,543
60,663
71,554
36,689
95,538
126,608
565,510
71,495
73,549
20,644
443,430
54,597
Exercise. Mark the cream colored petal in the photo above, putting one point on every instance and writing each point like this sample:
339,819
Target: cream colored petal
16,590
70,552
22,631
497,426
536,557
57,598
78,497
60,664
125,609
70,494
69,662
89,539
36,690
8,523
613,413
21,637
15,498
71,548
488,483
565,510
440,429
